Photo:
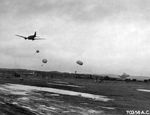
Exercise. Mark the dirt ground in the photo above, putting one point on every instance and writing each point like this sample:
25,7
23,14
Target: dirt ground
123,96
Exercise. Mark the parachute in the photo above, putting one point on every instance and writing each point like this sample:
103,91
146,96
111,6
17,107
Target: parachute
44,61
79,62
37,51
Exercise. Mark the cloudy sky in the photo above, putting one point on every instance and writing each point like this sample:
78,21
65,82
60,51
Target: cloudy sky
109,36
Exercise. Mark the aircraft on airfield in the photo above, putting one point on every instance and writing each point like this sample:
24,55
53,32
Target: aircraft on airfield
124,76
31,37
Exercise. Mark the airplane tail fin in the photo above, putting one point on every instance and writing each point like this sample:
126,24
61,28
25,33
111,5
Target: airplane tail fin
35,34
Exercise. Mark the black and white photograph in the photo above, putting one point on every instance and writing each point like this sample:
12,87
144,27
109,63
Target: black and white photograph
74,57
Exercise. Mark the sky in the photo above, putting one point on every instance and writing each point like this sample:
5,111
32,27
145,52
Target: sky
109,36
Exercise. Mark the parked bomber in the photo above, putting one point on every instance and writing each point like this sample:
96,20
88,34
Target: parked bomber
31,37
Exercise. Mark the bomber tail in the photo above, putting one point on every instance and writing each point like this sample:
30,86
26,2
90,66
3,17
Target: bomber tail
34,34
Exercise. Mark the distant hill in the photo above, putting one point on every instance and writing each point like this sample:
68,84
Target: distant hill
109,75
23,70
140,77
131,76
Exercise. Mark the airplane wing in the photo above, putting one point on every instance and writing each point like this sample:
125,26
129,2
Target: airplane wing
39,38
21,36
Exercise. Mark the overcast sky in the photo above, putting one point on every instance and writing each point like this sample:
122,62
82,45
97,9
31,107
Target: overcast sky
109,36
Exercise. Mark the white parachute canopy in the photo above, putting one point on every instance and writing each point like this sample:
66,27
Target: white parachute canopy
44,60
79,62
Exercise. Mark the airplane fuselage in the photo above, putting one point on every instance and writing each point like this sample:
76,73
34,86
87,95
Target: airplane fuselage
31,37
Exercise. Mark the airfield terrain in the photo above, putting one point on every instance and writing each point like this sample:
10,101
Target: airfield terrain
71,96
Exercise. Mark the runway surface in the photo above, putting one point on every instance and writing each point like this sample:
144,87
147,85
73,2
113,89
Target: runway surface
33,100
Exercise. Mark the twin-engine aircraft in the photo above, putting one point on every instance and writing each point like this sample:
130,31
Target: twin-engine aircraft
31,37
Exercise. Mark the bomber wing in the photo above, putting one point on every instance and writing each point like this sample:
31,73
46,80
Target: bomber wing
22,36
39,38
